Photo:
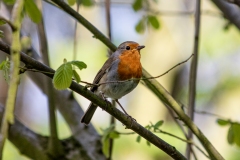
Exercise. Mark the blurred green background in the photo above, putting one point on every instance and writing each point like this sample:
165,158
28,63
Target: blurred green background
217,84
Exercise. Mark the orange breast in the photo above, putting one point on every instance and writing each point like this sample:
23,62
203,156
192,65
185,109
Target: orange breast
130,65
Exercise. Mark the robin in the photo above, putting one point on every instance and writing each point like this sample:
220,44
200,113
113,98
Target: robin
123,64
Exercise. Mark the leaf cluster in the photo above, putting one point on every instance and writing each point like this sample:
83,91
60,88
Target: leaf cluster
108,133
63,76
149,20
152,127
233,131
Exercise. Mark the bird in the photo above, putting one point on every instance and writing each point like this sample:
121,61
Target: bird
123,64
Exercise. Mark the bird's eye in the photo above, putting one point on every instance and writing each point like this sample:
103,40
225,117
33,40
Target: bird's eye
127,48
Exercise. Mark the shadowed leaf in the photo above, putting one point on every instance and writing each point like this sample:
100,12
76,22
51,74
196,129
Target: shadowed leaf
76,76
137,5
153,21
9,2
140,27
32,11
230,136
222,122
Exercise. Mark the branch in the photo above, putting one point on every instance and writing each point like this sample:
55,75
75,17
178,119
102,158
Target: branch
8,116
91,143
54,146
85,23
152,138
237,2
193,74
34,145
9,23
230,11
155,86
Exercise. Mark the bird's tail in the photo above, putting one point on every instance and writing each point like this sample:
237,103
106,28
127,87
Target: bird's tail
86,118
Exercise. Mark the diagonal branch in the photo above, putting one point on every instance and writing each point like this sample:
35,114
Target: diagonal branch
230,11
152,138
34,145
159,91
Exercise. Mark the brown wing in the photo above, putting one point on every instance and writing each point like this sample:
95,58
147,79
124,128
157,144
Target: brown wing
107,65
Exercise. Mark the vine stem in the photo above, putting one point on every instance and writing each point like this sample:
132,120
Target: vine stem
8,116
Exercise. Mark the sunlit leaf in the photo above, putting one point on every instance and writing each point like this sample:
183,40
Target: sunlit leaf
63,76
71,2
79,64
105,148
140,27
32,11
76,76
230,136
137,5
153,21
222,122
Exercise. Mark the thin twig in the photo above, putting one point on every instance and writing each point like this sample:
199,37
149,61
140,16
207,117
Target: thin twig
148,77
13,27
109,30
54,145
193,74
172,135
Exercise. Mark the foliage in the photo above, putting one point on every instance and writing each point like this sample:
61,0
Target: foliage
32,11
86,3
63,76
5,67
233,131
108,133
149,19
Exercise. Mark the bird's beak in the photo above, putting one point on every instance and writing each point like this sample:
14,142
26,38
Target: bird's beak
140,47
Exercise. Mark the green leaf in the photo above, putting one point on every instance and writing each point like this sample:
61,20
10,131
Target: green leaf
5,67
138,139
148,143
63,76
1,34
105,148
2,22
140,27
223,122
32,11
114,135
79,64
76,76
158,124
87,3
236,131
137,5
9,2
230,136
153,21
71,2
